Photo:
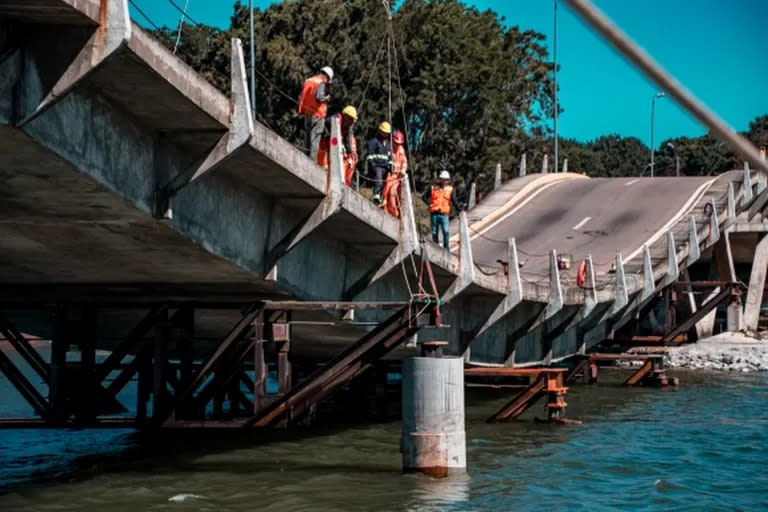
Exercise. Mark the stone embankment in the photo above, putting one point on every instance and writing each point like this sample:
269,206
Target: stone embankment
725,352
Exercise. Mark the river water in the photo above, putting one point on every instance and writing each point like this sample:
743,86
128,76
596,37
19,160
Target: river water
701,447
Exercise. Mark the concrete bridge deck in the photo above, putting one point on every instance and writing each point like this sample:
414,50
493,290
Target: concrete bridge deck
125,169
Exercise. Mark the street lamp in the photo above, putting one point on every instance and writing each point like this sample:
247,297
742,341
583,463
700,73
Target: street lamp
554,51
653,110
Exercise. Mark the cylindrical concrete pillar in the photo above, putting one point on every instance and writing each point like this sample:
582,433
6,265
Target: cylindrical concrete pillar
734,317
433,440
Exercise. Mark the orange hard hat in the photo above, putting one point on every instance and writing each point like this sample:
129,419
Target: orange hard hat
398,137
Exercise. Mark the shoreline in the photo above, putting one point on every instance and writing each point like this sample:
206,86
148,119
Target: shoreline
730,352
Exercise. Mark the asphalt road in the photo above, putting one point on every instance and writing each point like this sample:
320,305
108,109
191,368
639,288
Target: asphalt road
599,216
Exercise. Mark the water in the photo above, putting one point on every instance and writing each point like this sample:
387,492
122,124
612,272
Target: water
702,447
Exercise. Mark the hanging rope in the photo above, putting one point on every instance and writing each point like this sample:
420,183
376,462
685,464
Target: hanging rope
181,25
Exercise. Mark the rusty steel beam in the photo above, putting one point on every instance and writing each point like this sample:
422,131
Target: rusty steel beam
298,305
522,401
346,366
125,346
23,386
640,374
601,356
509,372
703,311
25,350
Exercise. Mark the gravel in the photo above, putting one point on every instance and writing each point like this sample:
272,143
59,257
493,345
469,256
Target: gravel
725,352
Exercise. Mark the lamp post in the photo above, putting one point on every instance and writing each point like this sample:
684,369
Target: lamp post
554,51
653,110
253,63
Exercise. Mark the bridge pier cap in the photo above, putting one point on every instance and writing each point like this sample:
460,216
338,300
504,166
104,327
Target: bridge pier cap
433,441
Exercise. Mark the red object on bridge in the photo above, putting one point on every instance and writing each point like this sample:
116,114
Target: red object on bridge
334,141
581,274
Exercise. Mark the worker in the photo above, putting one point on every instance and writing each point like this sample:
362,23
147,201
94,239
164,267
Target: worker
348,145
379,159
313,105
440,199
392,193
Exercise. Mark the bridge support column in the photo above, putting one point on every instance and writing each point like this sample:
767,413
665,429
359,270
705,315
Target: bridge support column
756,286
433,440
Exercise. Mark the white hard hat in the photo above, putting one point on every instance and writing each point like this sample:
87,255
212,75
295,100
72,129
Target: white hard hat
444,175
328,71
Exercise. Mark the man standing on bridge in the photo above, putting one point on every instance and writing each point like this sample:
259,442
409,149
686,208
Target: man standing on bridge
379,159
393,189
440,199
313,105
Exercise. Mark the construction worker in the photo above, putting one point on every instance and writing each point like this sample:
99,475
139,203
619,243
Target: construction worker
440,199
379,159
313,105
392,193
348,145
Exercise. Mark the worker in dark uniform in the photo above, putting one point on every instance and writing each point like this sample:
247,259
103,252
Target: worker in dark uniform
379,159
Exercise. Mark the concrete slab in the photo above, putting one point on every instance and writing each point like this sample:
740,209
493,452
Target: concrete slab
62,12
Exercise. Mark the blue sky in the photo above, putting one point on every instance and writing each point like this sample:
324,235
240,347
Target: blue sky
718,49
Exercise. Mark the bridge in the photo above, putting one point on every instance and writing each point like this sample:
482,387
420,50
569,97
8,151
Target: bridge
146,213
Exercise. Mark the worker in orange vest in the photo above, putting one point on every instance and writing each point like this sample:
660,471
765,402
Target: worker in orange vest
313,105
440,199
348,145
393,190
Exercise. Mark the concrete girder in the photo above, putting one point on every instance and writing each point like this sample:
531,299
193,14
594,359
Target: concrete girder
555,303
514,294
113,33
466,274
649,283
565,165
714,224
731,204
497,177
673,270
522,166
694,249
545,165
621,299
746,186
758,204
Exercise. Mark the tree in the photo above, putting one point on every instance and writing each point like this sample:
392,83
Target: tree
475,92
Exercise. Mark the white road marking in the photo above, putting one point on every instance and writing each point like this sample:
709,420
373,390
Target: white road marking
584,221
630,182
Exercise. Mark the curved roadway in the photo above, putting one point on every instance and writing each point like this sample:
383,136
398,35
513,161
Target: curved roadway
600,216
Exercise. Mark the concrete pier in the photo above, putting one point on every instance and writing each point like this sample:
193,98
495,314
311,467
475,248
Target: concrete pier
433,440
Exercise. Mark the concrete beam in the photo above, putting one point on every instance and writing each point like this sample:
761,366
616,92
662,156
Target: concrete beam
327,208
649,284
522,166
514,294
731,203
545,165
497,177
467,264
114,32
622,297
746,186
408,244
761,183
756,286
714,224
555,302
472,197
565,165
694,250
758,204
673,270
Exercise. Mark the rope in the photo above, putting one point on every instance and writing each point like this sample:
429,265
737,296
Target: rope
370,76
181,25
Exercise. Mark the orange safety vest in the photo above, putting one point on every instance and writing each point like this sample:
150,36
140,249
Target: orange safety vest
308,103
400,161
392,194
441,199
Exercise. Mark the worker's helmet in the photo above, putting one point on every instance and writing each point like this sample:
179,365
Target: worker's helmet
444,175
385,127
350,111
328,72
398,137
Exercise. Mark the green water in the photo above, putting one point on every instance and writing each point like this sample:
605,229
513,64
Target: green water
702,447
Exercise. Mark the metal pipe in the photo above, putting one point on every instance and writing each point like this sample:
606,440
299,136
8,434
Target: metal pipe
555,80
253,63
598,21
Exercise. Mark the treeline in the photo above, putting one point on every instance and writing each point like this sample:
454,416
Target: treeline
476,91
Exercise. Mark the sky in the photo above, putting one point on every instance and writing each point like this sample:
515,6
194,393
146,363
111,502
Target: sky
716,48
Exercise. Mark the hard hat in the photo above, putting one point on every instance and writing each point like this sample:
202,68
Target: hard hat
444,175
385,127
328,71
398,137
350,111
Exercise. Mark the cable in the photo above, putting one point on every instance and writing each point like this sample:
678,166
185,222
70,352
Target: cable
370,77
181,25
184,12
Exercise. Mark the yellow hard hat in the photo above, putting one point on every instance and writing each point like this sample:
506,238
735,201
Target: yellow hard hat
350,111
385,127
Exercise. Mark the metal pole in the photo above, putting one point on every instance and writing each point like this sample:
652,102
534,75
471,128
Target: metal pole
653,108
555,80
602,24
253,63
